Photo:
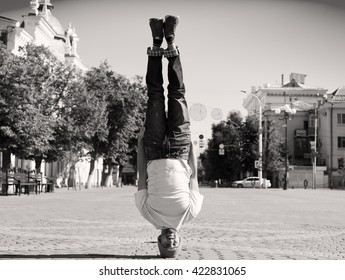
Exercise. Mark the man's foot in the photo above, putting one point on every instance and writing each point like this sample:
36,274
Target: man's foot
170,27
157,26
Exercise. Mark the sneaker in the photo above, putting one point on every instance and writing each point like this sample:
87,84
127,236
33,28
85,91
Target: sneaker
170,27
157,26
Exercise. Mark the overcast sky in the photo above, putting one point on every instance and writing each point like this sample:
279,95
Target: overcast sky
226,46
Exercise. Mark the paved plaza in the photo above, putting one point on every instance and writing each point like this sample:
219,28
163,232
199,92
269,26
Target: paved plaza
234,224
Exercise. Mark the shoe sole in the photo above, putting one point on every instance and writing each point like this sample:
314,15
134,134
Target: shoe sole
156,21
173,21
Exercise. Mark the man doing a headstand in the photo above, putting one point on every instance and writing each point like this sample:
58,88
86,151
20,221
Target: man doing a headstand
168,192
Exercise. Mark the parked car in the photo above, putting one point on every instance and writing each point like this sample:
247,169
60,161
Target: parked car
250,182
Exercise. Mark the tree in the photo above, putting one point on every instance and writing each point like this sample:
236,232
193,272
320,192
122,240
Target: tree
40,95
83,118
50,111
29,93
6,134
122,102
98,83
125,116
274,147
240,140
249,136
227,166
140,91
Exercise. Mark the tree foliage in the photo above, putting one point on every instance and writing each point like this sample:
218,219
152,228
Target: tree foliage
240,140
34,85
274,147
249,135
124,101
49,110
227,166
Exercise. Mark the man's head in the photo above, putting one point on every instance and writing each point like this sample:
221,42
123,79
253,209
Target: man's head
169,243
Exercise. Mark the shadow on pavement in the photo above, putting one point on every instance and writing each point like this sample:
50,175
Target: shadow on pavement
79,256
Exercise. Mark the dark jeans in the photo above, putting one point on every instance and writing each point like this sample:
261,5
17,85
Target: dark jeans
166,136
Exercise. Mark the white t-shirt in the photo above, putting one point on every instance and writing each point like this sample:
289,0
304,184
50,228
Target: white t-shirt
168,202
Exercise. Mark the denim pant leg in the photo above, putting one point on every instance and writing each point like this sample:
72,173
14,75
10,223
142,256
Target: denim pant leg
178,123
155,124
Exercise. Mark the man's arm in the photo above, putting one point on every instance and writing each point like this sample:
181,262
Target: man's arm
141,162
192,161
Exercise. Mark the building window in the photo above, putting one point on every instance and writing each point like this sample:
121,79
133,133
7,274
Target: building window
340,163
301,147
305,125
341,118
3,37
341,142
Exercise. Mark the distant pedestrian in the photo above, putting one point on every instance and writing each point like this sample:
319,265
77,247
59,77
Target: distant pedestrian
168,192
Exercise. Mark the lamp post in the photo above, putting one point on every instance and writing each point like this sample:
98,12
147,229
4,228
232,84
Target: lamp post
260,137
285,113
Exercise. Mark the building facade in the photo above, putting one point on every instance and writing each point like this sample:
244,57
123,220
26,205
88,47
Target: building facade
331,117
41,27
300,130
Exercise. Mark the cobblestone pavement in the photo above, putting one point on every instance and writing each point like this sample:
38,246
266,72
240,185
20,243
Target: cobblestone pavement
234,224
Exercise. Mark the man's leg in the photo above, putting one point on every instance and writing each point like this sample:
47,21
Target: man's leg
178,123
155,124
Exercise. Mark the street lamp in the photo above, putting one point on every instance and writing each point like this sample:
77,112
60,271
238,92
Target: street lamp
260,137
285,113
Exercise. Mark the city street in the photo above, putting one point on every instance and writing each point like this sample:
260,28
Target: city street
234,224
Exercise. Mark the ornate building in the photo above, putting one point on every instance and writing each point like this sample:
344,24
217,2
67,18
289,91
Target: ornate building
41,27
